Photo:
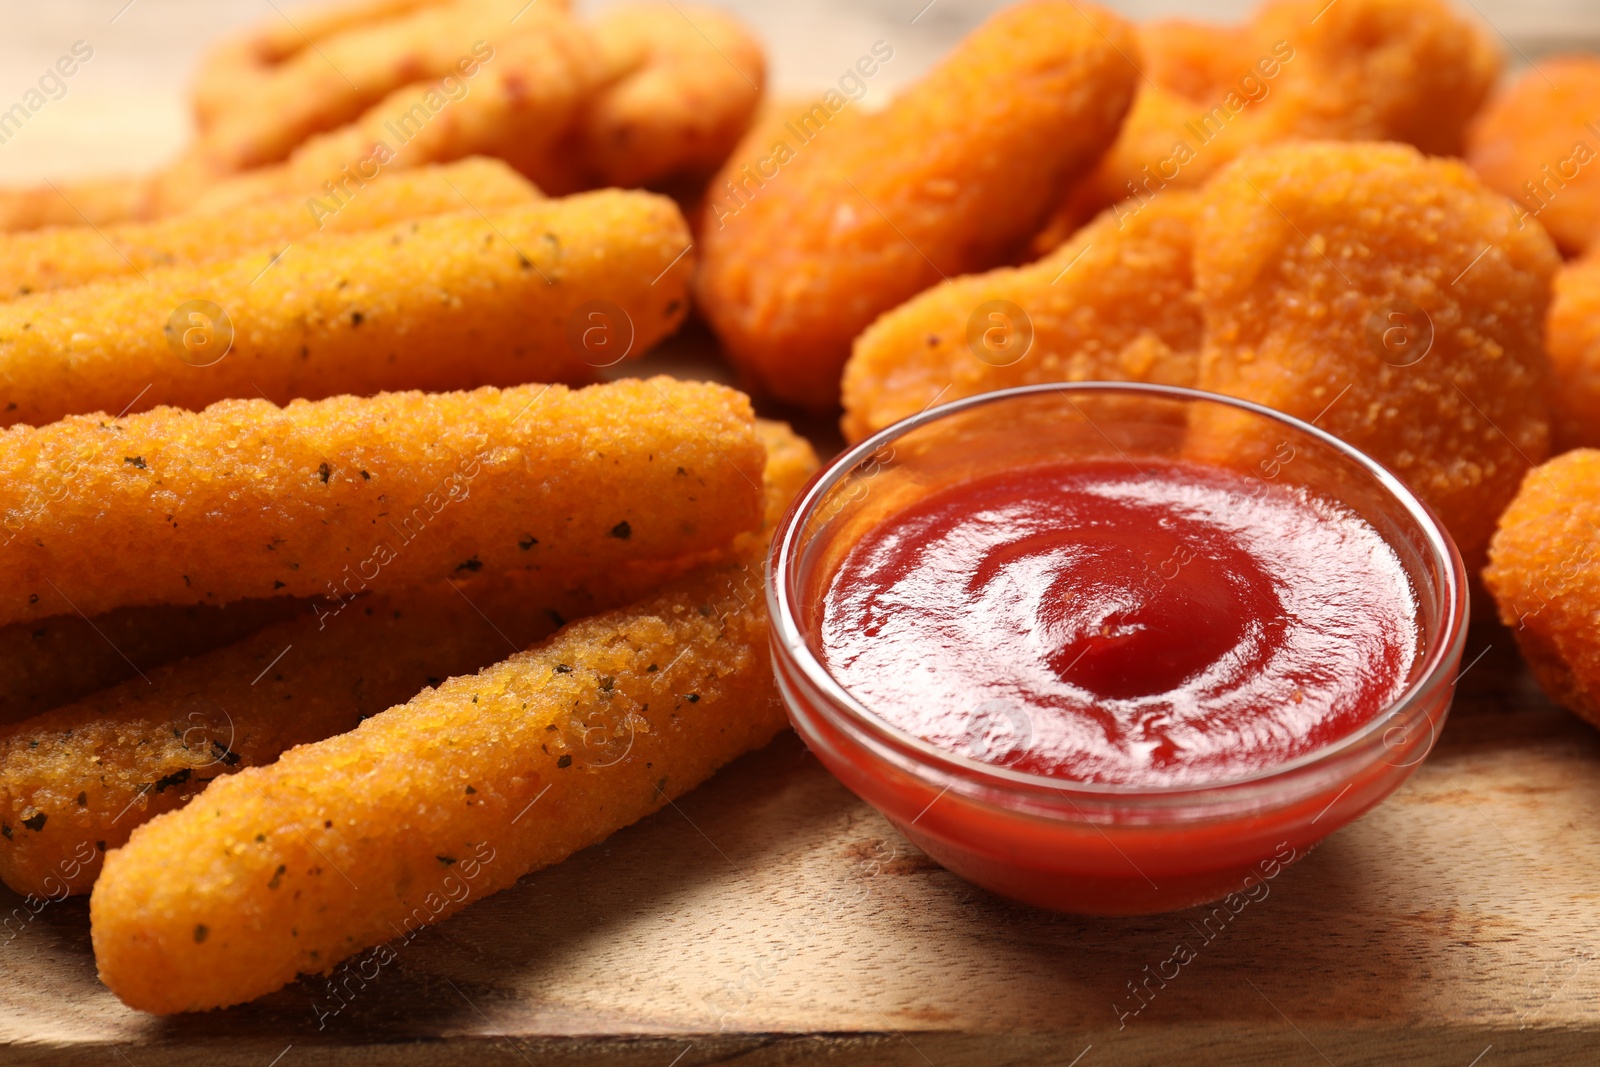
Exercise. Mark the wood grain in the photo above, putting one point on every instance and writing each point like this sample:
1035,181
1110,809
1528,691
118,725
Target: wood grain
771,918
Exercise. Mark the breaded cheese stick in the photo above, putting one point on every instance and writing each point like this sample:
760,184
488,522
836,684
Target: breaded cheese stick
58,660
1116,302
63,257
346,843
445,302
93,771
232,71
521,102
849,214
334,497
321,88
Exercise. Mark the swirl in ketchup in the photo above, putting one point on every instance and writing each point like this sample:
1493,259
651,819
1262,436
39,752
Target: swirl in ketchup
1156,625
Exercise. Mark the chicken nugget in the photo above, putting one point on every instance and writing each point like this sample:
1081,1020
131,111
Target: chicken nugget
448,301
450,797
1543,575
62,257
233,71
522,103
1538,142
845,221
1572,339
58,660
682,86
331,498
1117,302
1380,70
1392,300
93,771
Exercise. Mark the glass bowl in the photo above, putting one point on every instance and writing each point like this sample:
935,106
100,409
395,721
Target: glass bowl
1087,847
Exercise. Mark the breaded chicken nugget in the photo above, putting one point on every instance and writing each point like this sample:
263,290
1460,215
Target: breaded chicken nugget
232,71
450,301
1380,70
1538,142
62,257
334,497
1392,299
447,798
1572,339
682,86
58,660
1194,60
1116,302
1544,576
93,771
845,221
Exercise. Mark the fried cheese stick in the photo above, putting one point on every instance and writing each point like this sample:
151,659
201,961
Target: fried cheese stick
445,302
342,844
58,660
64,257
93,771
334,497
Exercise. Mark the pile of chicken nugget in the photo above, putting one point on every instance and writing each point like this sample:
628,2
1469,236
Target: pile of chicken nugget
337,594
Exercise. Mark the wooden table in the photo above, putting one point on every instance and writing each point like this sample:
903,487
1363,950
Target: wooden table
771,918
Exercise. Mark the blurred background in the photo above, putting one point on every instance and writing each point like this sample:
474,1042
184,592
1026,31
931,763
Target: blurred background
125,111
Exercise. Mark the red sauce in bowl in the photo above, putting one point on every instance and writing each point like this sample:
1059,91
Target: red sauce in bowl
1097,621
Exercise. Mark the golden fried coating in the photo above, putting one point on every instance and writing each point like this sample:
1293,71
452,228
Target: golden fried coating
1381,70
1116,302
683,83
233,71
1377,70
62,257
1543,575
1194,60
319,89
331,498
56,661
843,221
1389,297
93,202
517,98
93,771
445,302
1572,339
1538,142
447,798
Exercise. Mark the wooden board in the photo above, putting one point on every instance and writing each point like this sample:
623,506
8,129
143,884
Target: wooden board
771,918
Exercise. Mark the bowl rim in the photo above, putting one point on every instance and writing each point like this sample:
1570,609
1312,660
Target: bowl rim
1452,604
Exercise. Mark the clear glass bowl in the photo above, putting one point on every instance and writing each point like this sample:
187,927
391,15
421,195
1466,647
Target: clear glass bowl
1095,848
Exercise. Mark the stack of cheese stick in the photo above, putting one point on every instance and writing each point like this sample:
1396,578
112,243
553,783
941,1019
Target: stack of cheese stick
303,586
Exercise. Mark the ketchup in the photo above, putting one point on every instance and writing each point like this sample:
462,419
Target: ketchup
1161,624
